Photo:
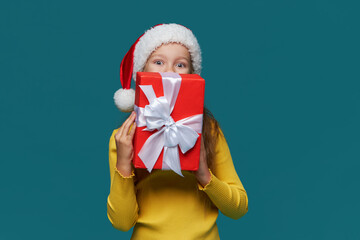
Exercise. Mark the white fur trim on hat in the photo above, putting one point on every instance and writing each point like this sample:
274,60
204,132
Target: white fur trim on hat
124,99
162,34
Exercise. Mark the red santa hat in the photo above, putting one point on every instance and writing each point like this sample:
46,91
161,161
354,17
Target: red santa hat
135,59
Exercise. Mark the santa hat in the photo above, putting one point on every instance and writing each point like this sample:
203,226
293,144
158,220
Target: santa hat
135,59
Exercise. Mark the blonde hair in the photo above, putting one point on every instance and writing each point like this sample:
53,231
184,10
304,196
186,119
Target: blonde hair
210,134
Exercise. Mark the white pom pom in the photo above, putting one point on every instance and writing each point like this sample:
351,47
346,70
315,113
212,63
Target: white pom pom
124,99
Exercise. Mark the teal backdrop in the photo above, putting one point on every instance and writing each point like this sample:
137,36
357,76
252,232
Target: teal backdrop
282,78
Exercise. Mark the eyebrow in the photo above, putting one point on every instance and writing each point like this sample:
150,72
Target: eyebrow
184,58
163,56
157,55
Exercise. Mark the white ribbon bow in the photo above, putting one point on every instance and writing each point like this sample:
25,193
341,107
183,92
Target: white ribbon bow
170,134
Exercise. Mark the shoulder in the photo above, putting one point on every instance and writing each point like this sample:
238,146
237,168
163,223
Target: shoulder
114,131
220,143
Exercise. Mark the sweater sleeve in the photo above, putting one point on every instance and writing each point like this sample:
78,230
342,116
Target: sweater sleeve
122,207
225,188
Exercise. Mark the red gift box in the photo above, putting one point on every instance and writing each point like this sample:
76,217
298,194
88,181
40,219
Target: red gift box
184,101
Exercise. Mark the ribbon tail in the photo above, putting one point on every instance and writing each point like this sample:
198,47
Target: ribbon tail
172,159
164,165
151,149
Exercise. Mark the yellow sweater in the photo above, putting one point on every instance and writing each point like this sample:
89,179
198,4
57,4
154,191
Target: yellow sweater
164,205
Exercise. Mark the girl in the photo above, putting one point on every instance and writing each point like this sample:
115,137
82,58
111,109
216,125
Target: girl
162,204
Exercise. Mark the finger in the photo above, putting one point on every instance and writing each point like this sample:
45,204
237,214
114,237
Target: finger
132,126
117,134
132,130
121,129
127,124
129,118
123,125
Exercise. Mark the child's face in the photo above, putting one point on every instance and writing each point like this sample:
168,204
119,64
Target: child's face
172,57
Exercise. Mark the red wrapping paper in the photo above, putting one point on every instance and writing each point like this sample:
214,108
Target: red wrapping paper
190,101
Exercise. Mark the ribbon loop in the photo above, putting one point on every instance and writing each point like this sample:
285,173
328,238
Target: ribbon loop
157,113
187,137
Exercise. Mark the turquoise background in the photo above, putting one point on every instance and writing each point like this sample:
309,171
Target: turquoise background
282,78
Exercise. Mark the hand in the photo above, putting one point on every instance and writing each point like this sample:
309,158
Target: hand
124,145
202,174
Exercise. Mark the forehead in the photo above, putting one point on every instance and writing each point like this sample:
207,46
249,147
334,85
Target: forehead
172,48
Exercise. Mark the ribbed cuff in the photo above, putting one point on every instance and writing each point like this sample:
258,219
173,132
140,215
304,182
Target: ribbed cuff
122,176
121,184
208,184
